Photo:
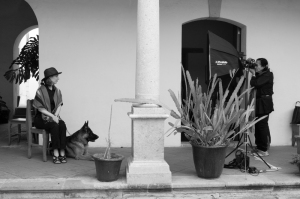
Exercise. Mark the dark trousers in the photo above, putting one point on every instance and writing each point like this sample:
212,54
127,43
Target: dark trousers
57,131
262,134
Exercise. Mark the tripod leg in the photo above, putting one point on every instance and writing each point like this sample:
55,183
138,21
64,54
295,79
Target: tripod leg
258,154
250,143
237,146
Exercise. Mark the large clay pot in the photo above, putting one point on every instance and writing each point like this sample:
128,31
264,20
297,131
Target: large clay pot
108,169
209,161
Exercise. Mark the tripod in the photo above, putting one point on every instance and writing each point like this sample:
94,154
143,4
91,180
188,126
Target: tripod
245,134
247,143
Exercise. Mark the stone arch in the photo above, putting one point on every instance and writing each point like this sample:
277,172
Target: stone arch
240,25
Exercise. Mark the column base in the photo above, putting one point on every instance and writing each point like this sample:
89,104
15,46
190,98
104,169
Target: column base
155,173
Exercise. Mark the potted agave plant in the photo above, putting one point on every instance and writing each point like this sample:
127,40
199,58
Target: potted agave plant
108,164
209,129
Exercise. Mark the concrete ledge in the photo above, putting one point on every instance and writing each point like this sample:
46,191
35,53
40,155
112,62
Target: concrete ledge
179,183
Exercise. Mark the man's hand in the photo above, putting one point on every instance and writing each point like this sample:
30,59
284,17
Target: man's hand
252,71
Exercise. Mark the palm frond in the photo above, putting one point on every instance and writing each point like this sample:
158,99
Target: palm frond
27,62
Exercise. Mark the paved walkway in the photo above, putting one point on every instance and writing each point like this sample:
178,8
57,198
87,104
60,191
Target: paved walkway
77,178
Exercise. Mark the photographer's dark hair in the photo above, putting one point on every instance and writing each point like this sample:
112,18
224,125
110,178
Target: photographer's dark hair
263,62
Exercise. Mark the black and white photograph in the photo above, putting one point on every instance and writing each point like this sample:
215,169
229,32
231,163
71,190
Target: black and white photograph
158,99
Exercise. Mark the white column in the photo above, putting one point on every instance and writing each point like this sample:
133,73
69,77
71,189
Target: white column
147,68
146,166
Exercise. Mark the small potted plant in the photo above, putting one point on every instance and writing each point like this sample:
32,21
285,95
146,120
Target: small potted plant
296,160
108,164
209,128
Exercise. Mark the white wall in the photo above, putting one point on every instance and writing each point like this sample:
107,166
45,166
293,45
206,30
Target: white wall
273,31
93,44
96,46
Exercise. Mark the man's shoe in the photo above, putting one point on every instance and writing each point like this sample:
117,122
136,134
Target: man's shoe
257,152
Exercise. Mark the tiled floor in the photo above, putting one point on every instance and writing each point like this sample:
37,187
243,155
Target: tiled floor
15,166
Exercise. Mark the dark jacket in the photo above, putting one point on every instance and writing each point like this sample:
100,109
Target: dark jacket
263,83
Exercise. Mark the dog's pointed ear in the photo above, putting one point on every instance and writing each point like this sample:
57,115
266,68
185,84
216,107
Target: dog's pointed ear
87,123
84,125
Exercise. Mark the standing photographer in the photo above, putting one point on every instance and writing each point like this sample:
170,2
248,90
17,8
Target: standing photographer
262,81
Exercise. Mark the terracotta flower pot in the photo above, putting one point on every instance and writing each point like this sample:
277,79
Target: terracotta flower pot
209,161
108,169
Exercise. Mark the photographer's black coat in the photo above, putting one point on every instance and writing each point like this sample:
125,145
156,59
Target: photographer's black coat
263,82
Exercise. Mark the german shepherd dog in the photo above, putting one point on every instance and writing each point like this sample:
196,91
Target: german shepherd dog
77,143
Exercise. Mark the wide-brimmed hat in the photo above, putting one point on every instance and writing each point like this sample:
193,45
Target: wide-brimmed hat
50,72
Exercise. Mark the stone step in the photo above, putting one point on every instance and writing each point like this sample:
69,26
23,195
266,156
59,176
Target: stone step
268,185
181,187
284,193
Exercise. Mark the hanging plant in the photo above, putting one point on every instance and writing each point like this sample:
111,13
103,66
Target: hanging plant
28,60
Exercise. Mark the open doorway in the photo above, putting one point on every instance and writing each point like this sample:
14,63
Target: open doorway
27,89
194,55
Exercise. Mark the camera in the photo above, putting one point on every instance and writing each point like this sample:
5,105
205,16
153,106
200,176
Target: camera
249,63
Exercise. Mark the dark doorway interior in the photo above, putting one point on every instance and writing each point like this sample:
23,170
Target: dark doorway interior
194,54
